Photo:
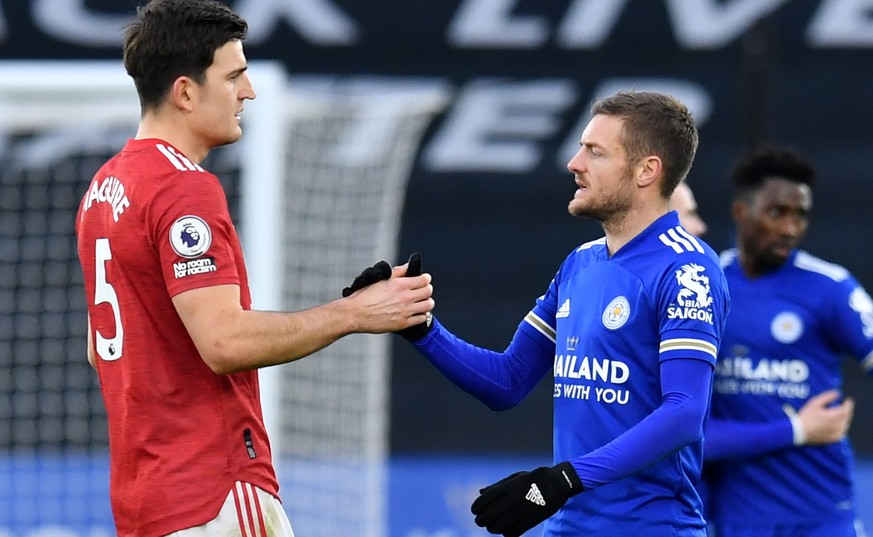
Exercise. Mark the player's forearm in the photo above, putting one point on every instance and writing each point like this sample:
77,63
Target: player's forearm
231,339
726,439
500,380
677,422
245,340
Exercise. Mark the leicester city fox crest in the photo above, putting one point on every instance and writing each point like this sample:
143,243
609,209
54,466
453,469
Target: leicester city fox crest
693,301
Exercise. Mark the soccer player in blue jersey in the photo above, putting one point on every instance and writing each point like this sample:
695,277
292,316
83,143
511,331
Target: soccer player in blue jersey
783,466
629,326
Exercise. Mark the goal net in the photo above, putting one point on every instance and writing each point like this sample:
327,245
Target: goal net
316,187
349,152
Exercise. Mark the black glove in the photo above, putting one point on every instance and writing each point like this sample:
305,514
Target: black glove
378,272
519,502
382,271
414,333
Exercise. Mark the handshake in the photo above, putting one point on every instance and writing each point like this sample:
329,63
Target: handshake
382,271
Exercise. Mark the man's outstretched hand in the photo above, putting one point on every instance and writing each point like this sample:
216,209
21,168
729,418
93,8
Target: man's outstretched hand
382,271
519,502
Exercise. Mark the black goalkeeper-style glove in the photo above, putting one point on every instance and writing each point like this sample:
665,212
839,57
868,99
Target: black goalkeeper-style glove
519,502
370,275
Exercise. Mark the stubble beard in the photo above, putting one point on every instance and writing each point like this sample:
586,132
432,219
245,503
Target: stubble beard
615,204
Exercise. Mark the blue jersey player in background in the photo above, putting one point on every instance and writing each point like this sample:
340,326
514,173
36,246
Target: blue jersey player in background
781,463
630,328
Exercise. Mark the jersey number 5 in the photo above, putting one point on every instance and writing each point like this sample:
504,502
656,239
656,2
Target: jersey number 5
107,349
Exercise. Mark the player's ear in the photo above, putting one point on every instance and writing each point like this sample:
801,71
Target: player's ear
739,208
648,170
182,93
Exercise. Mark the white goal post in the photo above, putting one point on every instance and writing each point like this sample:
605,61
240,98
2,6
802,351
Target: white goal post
319,180
323,192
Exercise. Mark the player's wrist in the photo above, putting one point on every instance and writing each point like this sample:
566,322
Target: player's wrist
798,432
416,333
569,478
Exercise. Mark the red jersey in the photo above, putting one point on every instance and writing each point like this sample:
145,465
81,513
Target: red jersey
152,225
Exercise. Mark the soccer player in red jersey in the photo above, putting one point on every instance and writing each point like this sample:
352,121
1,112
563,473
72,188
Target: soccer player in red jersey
170,326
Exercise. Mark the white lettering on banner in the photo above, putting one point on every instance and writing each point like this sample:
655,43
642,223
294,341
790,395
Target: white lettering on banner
842,23
697,24
318,21
494,125
71,21
711,24
586,24
488,23
473,137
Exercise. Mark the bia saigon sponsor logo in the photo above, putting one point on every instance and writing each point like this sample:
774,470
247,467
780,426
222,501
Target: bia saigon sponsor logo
693,300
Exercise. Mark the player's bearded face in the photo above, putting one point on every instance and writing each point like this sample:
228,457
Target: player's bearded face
601,171
610,198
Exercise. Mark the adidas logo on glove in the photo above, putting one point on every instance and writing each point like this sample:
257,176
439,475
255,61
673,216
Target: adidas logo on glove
534,495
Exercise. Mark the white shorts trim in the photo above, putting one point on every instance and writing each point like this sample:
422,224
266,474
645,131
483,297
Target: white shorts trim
248,511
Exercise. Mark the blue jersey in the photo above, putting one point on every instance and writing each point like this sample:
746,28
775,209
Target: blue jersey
613,321
783,343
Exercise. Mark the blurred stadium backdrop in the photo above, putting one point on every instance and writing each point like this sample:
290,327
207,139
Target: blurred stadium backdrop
380,129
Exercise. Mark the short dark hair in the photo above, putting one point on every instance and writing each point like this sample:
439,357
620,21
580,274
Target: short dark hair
172,38
768,162
654,124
